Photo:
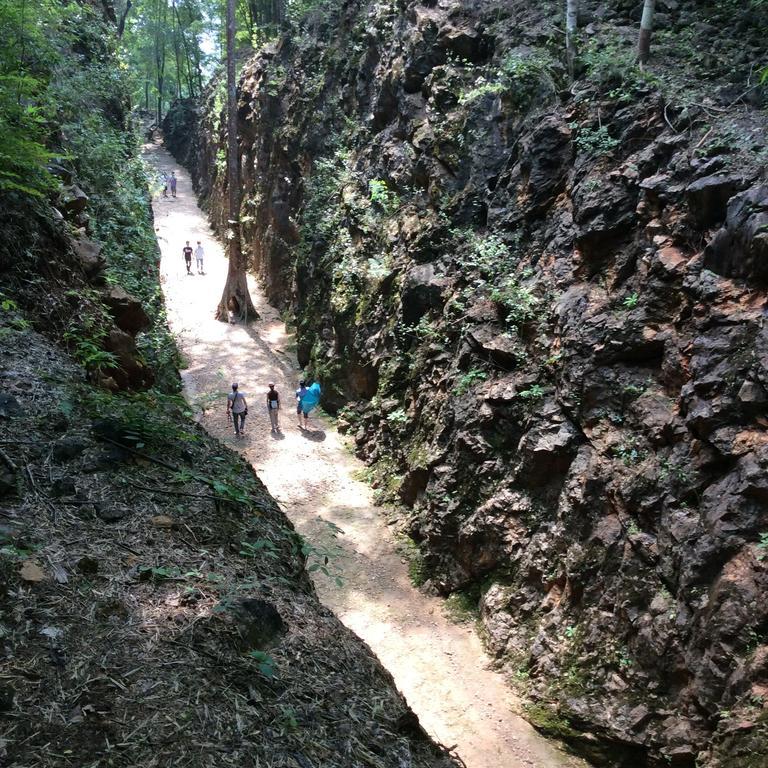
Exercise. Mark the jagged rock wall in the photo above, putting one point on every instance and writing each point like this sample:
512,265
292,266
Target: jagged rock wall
543,307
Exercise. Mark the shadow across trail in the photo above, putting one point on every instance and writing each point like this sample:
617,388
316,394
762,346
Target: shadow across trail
439,666
316,435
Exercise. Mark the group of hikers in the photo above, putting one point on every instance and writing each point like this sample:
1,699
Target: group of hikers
199,256
307,399
169,183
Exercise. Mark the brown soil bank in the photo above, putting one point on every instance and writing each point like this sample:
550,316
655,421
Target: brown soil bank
543,306
155,605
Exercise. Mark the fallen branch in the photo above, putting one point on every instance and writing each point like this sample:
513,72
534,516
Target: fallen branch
183,493
8,461
140,454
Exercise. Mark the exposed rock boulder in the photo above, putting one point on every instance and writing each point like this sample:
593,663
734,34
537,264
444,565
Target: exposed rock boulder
72,201
131,371
709,196
128,312
422,291
740,249
89,256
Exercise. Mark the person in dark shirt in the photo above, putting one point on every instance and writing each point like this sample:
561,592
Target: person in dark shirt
273,406
188,257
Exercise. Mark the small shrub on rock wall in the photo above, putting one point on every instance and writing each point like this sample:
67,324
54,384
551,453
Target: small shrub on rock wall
612,66
594,141
518,78
383,197
468,380
517,301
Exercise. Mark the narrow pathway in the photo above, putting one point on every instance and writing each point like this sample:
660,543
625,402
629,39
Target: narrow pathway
439,666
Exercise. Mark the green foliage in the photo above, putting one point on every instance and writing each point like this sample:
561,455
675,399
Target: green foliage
594,141
382,196
397,418
254,549
165,48
264,663
148,419
321,216
462,607
629,452
481,88
321,559
613,67
14,553
534,392
631,301
762,545
276,80
547,719
417,567
468,380
518,301
87,332
488,254
10,318
517,79
27,60
159,573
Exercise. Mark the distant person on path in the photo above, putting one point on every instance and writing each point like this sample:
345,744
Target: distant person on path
273,406
165,186
188,257
237,410
173,180
199,255
300,392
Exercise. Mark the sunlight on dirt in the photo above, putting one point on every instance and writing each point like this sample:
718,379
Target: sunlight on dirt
439,666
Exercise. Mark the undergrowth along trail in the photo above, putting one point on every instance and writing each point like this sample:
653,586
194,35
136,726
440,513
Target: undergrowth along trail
440,666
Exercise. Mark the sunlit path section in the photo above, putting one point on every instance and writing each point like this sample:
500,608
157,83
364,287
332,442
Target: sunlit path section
439,666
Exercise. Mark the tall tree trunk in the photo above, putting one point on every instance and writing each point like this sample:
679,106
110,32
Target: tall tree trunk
176,53
187,56
123,17
571,22
160,26
251,20
646,27
235,303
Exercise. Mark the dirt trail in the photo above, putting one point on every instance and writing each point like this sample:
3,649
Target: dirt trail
439,666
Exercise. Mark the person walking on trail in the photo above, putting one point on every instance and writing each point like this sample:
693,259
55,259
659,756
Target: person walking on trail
165,186
307,398
273,406
199,255
237,410
188,257
300,392
310,400
173,181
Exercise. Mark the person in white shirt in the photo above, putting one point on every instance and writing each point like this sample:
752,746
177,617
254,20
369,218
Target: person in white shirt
199,255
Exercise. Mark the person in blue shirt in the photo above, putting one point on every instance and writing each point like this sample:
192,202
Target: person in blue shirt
300,393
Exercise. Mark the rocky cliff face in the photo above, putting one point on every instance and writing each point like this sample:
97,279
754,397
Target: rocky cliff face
542,306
